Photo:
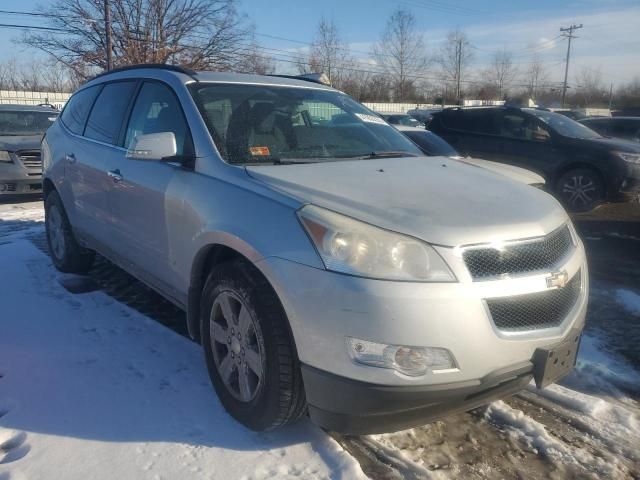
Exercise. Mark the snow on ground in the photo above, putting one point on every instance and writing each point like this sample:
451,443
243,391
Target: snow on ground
630,300
91,389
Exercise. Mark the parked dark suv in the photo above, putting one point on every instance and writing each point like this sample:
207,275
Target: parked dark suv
580,166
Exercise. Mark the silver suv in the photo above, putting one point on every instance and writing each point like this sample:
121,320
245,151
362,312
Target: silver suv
325,265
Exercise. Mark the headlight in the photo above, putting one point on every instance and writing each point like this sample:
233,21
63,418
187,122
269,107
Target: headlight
349,246
629,157
5,157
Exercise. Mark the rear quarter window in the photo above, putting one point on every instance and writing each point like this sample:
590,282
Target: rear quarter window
75,112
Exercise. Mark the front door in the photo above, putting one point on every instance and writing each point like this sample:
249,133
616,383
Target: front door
147,198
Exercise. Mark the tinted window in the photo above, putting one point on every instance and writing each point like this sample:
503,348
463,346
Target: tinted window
432,144
514,124
157,110
108,112
473,120
75,112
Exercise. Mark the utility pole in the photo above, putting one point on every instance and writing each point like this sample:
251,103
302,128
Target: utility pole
107,29
568,33
610,96
459,68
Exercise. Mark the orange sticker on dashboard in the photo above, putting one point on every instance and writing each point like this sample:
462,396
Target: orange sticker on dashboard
259,151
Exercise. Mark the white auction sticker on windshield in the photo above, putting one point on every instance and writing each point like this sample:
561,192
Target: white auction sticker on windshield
370,119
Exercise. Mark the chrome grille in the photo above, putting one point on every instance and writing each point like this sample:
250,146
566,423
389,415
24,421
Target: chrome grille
533,311
31,160
517,257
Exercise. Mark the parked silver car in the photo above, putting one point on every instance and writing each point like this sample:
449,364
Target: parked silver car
21,130
325,266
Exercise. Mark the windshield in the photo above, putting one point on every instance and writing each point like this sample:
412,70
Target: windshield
431,144
563,125
254,124
25,123
405,120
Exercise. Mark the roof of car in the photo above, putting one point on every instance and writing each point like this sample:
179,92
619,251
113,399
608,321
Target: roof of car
7,107
187,75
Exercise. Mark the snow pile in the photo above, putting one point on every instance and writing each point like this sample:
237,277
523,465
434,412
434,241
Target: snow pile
91,389
534,435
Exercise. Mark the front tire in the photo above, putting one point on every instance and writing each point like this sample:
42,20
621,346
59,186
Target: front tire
67,254
248,348
580,190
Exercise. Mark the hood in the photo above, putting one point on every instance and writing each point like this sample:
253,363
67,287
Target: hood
510,171
13,143
437,199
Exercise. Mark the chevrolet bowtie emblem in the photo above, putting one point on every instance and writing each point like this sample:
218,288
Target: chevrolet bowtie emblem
557,279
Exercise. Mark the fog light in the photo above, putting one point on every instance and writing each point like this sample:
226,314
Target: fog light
413,361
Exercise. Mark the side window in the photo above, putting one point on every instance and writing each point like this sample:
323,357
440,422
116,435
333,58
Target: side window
75,112
108,112
157,110
523,127
483,120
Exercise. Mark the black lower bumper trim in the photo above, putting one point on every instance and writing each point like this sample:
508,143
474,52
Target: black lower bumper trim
358,408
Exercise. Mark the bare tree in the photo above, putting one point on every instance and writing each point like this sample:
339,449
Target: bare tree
455,57
590,88
501,72
402,53
205,34
535,76
256,61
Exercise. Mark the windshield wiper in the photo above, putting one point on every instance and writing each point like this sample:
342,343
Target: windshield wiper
384,154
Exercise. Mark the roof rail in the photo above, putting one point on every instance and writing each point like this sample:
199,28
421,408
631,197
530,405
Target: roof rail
319,78
159,66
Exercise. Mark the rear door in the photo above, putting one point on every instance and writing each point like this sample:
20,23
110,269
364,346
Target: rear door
81,170
147,200
99,151
471,132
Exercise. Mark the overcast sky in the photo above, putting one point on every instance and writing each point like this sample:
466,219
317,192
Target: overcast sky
610,39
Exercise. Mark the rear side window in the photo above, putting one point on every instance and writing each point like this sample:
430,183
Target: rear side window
477,121
157,110
75,112
108,112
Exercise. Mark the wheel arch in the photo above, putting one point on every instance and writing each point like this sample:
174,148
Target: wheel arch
47,187
208,257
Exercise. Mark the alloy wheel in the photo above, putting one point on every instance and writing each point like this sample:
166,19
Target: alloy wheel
55,230
238,346
580,191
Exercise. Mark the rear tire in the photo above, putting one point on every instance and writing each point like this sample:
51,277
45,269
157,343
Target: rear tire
67,254
580,189
248,347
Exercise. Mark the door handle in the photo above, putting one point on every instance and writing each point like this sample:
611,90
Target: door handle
70,158
115,174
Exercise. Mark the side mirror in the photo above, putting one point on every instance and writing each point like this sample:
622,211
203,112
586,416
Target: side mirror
153,146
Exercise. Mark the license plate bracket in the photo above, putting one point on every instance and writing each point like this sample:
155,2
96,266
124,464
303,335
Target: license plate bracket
553,363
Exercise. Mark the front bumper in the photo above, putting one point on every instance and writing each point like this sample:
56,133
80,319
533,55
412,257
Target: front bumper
358,408
21,187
